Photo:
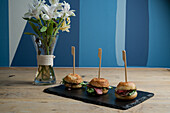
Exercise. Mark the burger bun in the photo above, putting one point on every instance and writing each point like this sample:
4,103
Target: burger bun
126,86
127,97
99,82
70,78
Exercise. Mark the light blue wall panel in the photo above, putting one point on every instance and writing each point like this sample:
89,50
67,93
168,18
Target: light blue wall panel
159,33
97,30
120,30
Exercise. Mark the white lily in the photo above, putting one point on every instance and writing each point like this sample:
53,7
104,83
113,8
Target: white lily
56,5
34,9
45,17
57,14
52,11
66,11
37,2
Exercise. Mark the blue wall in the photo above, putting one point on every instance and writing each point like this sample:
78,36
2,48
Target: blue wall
97,30
4,34
25,49
66,40
137,32
159,33
98,25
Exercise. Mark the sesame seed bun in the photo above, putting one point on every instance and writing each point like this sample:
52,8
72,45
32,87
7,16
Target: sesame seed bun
99,82
126,86
70,78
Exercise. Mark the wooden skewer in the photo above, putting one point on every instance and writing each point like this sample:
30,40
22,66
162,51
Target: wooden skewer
100,56
73,53
124,59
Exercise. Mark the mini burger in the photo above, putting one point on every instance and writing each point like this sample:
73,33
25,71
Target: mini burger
72,81
98,86
126,91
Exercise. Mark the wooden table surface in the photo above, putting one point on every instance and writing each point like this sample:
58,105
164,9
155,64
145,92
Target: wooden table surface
19,95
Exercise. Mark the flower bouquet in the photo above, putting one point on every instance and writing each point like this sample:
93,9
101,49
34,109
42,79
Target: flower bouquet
46,21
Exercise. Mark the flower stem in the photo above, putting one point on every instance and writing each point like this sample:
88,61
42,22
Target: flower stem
58,27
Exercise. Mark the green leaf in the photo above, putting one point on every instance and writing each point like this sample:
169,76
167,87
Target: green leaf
27,33
25,18
31,19
43,29
34,28
50,29
34,20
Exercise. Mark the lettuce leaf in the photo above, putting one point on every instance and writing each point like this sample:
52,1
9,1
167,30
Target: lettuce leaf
90,90
131,93
84,83
110,87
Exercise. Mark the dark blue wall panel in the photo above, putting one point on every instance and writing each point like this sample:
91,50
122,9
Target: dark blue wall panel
4,34
66,40
25,54
137,32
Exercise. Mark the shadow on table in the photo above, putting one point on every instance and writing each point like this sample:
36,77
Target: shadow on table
16,83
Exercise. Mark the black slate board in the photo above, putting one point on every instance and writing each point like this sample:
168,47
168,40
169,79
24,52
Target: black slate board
108,100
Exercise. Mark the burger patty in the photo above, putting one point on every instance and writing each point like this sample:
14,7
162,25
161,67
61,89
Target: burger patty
124,93
96,87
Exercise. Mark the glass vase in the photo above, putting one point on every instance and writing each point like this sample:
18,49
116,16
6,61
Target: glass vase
45,48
